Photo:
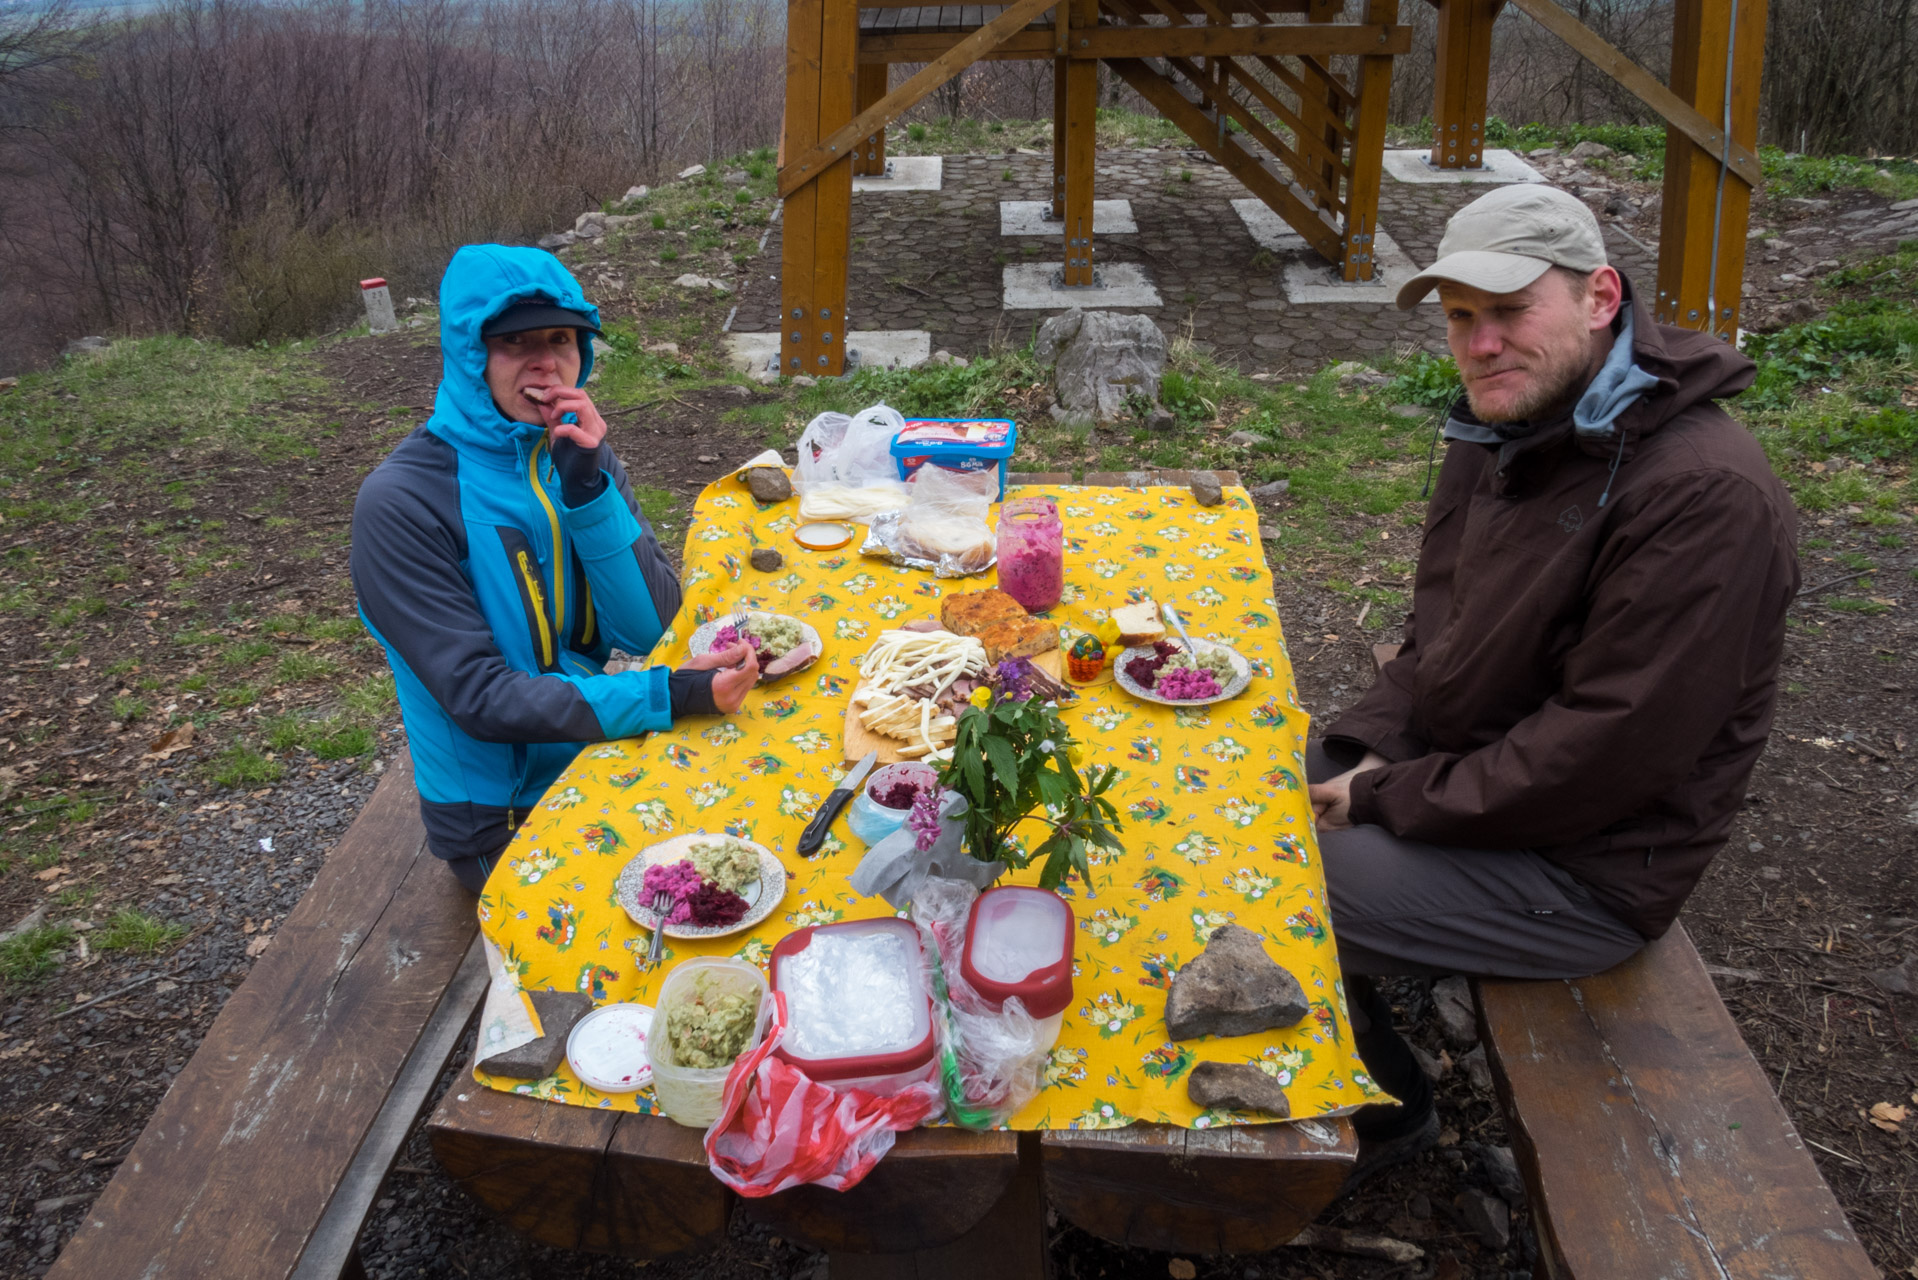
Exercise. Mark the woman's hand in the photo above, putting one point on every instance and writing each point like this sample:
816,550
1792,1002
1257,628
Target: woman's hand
590,428
736,672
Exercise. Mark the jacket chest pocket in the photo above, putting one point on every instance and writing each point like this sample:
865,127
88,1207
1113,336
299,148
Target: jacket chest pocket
524,567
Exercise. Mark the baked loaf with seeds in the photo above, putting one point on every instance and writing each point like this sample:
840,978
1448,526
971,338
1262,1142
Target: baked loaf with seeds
1018,638
970,614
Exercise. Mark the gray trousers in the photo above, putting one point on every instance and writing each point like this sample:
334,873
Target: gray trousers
1401,908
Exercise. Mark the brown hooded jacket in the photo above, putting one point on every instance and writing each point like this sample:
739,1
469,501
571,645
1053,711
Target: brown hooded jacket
1590,673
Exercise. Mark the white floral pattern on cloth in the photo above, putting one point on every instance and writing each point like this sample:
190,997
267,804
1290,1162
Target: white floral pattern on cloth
1217,829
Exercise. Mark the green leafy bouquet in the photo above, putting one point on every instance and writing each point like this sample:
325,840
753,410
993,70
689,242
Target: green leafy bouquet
1015,762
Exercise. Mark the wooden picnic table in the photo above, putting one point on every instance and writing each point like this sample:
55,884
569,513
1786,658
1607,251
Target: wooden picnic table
943,1201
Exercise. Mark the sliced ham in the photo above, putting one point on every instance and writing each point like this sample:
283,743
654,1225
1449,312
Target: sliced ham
793,659
923,625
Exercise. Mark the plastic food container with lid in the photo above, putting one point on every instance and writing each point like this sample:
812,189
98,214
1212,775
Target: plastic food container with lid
957,444
859,1013
692,1095
872,821
1019,943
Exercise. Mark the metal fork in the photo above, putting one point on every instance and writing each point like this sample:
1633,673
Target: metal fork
662,907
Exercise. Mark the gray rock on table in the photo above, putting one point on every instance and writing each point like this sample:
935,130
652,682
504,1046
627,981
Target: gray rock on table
558,1012
1236,1086
1206,488
766,560
1233,989
769,484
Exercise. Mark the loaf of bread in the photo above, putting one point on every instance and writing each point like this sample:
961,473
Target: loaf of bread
973,612
1139,624
1018,638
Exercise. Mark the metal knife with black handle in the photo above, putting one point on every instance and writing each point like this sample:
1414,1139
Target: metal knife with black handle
815,833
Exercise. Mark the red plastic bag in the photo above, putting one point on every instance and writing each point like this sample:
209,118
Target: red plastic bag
778,1128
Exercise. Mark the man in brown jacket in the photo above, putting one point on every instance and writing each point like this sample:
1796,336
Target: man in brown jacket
1536,782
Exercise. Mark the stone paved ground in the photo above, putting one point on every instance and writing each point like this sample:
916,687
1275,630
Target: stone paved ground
932,260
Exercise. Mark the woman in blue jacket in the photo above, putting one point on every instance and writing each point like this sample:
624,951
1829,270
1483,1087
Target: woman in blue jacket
499,557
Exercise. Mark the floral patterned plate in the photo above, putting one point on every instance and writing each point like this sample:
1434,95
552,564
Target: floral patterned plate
762,895
702,641
1232,688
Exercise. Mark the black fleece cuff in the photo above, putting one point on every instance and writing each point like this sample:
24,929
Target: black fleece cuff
580,477
692,693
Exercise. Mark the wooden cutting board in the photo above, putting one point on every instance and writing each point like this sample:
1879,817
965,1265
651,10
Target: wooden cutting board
860,739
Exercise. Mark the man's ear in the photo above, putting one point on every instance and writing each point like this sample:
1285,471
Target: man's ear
1606,294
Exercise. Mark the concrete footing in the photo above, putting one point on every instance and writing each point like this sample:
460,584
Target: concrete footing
904,173
875,348
1030,218
1034,286
1500,166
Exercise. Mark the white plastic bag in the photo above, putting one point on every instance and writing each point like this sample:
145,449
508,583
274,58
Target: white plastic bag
994,1058
943,526
846,469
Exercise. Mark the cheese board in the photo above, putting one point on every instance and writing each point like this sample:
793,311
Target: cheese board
859,739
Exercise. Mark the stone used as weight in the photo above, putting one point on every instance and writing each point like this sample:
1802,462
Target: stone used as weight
766,560
1236,1086
769,484
558,1011
1206,489
1232,989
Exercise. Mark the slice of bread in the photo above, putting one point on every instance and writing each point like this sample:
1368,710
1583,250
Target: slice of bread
973,612
1139,624
1019,638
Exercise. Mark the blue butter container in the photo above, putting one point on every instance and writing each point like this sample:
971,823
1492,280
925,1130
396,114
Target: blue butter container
957,444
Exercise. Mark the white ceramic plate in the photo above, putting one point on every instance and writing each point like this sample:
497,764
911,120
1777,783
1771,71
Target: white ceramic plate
762,895
702,641
1231,688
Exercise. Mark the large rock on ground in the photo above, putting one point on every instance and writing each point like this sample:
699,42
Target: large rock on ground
1236,1086
1101,360
1232,989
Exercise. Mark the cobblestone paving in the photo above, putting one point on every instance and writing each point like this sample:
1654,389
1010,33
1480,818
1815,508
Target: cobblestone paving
932,260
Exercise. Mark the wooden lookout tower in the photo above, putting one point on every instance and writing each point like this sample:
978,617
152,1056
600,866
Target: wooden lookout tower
1289,96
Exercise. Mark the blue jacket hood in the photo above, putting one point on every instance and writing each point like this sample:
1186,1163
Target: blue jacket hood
481,281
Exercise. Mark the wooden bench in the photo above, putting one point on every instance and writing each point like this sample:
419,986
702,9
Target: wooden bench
265,1155
1649,1137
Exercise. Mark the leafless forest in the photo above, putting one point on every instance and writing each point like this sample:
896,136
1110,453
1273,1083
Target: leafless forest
227,168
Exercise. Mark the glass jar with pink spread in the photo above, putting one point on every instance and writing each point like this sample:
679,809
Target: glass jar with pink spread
1031,553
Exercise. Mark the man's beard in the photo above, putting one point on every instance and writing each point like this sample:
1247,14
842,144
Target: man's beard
1567,373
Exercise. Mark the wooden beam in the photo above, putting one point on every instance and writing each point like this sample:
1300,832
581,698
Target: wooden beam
929,46
1059,130
832,228
799,342
1312,149
871,155
1462,82
1680,114
1213,41
1260,181
1307,171
1701,259
1374,84
1082,126
815,159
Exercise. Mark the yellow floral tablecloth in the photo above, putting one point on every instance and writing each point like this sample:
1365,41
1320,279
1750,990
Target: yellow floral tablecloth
1217,828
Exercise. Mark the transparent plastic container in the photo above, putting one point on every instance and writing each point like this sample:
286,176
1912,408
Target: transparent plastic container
692,1095
860,1009
872,821
1032,567
1019,944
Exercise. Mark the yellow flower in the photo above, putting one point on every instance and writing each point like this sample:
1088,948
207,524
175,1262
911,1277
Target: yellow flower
1077,754
981,697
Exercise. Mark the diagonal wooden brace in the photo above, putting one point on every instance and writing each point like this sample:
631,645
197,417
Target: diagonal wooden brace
822,156
1679,113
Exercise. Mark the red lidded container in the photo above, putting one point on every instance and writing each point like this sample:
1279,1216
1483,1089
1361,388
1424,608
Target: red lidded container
859,1014
1019,943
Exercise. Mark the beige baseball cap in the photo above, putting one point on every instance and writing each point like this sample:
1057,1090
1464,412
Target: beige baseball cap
1508,238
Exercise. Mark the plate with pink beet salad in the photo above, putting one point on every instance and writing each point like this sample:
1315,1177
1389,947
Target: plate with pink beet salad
1166,673
719,884
785,644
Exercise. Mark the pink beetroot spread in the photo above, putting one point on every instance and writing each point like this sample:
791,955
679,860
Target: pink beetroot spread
1145,670
899,795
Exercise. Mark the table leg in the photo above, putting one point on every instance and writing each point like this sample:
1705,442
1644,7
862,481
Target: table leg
1009,1244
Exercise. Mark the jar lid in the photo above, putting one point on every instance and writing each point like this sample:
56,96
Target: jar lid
607,1048
823,535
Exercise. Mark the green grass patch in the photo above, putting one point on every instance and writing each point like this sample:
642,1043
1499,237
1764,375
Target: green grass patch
296,667
241,765
1427,380
130,930
29,957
